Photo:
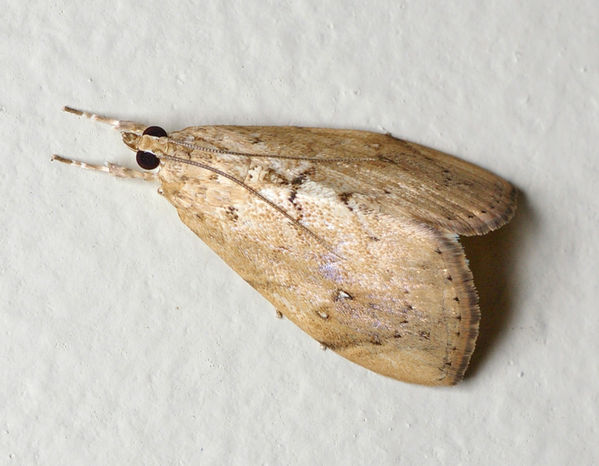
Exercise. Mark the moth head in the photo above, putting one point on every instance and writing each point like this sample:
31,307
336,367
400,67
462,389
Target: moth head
146,145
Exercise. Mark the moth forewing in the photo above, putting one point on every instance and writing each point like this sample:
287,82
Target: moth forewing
352,235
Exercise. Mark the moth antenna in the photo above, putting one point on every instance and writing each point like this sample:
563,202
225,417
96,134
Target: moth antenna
213,150
121,125
110,168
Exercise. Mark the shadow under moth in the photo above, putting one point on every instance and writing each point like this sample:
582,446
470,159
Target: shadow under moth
352,235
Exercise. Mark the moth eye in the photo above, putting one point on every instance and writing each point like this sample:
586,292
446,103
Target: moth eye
155,131
147,160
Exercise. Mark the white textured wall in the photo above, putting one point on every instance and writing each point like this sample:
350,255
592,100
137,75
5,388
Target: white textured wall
125,340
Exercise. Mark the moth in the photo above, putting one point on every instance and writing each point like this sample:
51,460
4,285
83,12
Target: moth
352,235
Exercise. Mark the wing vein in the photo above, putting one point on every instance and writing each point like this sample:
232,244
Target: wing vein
255,193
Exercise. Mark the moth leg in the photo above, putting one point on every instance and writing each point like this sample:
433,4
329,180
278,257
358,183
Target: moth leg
121,125
110,168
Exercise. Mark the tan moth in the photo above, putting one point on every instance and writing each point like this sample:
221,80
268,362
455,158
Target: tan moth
352,235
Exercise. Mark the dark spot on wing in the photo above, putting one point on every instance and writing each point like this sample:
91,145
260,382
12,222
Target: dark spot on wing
345,197
231,213
293,199
298,180
302,178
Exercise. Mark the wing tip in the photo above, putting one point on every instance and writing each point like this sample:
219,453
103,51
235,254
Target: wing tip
510,205
486,221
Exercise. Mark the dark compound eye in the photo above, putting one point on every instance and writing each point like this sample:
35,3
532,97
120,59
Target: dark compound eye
147,160
155,131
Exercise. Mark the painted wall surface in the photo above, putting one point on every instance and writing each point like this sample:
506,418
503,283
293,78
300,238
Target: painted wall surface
125,340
